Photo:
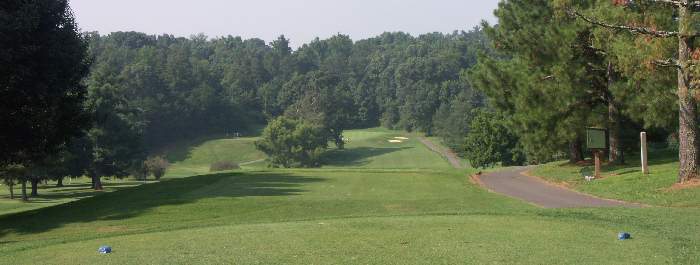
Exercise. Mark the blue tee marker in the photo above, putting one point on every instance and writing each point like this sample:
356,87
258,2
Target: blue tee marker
105,250
623,236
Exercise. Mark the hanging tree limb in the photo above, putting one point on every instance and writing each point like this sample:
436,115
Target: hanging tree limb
692,4
667,63
636,30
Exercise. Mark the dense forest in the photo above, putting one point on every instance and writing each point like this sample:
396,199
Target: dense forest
181,87
172,88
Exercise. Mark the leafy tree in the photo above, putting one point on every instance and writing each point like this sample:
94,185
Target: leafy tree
42,64
489,142
115,147
293,143
11,175
156,166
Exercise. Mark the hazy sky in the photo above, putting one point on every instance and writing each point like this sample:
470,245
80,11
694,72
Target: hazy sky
299,20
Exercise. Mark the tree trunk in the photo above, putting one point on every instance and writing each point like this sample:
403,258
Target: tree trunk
96,182
575,151
688,125
615,154
35,185
59,182
24,190
12,191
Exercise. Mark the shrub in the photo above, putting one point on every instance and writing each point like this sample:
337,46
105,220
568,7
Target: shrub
223,166
293,143
489,142
157,166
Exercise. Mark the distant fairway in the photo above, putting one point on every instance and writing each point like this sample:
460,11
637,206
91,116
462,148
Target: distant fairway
371,149
195,160
376,203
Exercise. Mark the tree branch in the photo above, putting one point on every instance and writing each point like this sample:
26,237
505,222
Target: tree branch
676,3
636,30
667,63
669,2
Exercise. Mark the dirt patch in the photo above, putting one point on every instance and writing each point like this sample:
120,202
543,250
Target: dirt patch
476,180
692,184
564,185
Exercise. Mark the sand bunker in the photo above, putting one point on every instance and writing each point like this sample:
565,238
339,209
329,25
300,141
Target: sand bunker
395,141
401,138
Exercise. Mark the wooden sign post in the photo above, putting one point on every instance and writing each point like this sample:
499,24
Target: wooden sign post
597,141
596,154
645,158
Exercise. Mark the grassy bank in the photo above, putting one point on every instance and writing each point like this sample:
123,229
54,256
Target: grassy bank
626,182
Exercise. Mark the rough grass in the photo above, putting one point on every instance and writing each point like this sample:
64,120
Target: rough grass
627,182
358,213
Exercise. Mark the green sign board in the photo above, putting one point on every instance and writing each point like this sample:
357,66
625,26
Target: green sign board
596,138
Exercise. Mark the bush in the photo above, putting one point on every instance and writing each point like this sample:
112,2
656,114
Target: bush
293,143
489,142
157,166
223,166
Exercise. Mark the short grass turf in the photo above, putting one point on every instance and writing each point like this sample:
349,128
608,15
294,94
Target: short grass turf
371,149
196,158
49,195
329,217
365,212
626,182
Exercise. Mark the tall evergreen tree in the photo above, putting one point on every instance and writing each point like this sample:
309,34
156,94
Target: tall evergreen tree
668,20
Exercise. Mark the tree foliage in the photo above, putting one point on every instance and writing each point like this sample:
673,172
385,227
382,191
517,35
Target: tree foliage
43,60
293,143
490,142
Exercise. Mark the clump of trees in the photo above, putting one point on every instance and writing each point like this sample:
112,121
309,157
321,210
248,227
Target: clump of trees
293,142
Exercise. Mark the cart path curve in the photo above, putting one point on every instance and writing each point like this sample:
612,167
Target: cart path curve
514,183
447,154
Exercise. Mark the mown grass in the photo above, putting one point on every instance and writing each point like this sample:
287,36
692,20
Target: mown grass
626,182
196,159
371,149
358,213
49,195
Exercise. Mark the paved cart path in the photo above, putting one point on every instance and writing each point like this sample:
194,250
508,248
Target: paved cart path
514,183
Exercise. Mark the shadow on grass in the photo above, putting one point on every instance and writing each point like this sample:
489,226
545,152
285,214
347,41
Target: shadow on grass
131,202
355,157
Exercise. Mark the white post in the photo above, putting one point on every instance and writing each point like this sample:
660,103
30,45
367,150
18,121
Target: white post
645,155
